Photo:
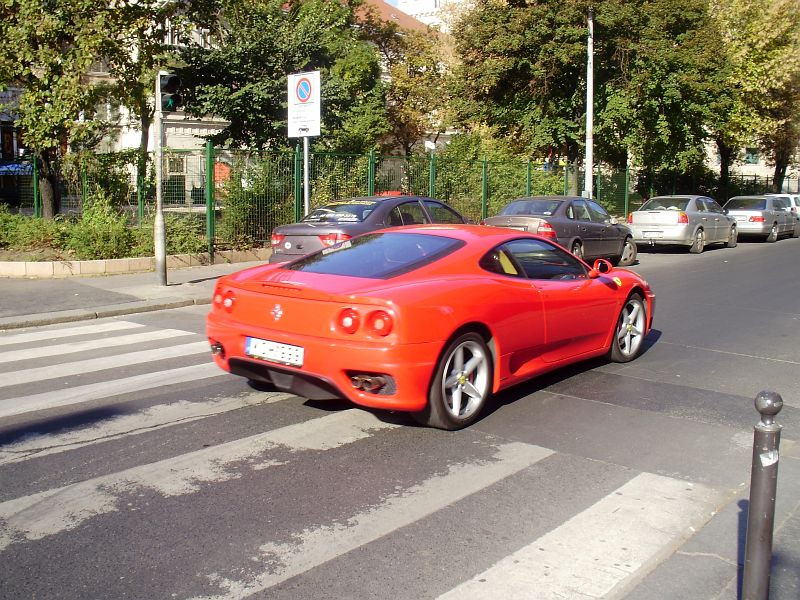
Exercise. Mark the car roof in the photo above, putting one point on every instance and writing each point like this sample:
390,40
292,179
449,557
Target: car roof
379,199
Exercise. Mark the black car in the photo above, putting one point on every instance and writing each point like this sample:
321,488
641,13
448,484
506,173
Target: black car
579,224
344,219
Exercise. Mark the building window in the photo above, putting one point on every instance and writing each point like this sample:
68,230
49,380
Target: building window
751,156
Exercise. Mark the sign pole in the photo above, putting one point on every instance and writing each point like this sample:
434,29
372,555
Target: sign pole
159,226
306,187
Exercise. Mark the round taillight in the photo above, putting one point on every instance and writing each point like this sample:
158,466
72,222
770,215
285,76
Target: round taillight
380,323
228,300
218,300
348,321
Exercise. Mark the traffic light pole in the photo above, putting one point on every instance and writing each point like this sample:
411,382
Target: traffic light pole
159,225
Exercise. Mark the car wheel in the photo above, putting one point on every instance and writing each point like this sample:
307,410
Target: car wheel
577,249
629,332
733,238
629,252
699,242
773,234
460,385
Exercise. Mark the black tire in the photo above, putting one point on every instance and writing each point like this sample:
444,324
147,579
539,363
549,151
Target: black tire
577,249
628,339
773,234
464,369
629,252
733,238
699,242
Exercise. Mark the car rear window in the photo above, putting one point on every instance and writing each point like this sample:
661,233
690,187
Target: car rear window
666,203
352,211
746,204
531,207
378,255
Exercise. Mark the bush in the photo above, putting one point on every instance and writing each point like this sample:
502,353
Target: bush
18,232
185,235
101,232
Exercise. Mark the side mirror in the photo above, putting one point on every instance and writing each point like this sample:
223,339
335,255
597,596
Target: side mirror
601,265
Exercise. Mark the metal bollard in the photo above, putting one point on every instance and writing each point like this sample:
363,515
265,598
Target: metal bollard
761,512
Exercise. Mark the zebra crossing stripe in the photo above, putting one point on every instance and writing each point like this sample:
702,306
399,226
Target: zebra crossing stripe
106,389
99,364
53,511
150,419
317,546
601,549
52,334
109,342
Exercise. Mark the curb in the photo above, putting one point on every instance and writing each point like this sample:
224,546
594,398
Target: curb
112,310
58,269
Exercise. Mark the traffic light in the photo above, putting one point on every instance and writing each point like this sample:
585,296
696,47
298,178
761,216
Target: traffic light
170,98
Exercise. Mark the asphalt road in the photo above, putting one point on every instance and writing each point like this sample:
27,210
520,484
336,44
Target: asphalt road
130,467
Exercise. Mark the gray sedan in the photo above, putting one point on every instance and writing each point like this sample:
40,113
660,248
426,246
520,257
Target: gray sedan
763,216
579,224
341,220
693,221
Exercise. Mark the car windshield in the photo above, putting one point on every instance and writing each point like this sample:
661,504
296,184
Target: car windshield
666,203
531,207
746,204
350,211
378,255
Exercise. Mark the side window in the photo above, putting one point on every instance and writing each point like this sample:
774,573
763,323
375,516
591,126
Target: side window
580,210
408,213
701,205
713,206
441,213
781,204
598,213
498,261
542,260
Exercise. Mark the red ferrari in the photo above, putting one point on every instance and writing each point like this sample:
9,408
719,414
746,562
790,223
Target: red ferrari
427,319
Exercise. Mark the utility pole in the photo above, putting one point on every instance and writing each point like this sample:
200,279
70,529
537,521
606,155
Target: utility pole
589,159
159,225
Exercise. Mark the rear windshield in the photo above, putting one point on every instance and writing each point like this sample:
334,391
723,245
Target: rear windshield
351,211
378,255
666,203
531,207
746,204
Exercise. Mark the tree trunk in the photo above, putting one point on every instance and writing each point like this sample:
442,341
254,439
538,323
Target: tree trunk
725,157
48,186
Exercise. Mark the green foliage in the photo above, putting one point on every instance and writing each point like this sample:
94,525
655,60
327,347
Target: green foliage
258,43
101,232
185,235
256,198
18,232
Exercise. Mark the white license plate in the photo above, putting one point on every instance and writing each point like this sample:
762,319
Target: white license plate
285,354
740,218
517,227
651,234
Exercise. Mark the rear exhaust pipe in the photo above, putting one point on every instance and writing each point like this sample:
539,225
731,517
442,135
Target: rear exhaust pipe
217,349
368,383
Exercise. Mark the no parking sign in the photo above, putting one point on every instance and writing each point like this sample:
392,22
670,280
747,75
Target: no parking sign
304,104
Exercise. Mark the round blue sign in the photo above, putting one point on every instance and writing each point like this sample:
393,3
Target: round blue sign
303,89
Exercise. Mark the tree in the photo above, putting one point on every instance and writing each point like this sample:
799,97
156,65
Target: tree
257,43
416,91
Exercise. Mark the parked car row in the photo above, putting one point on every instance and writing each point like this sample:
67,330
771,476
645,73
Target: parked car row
578,224
697,221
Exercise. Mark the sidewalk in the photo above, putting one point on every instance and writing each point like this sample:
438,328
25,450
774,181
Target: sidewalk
34,302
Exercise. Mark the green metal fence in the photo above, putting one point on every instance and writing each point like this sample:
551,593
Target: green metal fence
238,197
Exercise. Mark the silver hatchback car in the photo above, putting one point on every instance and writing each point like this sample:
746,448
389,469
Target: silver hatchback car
693,221
764,216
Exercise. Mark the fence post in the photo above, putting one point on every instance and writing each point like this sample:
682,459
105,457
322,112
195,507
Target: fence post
597,186
761,510
528,180
298,183
566,178
37,200
485,189
140,191
371,174
432,176
210,200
